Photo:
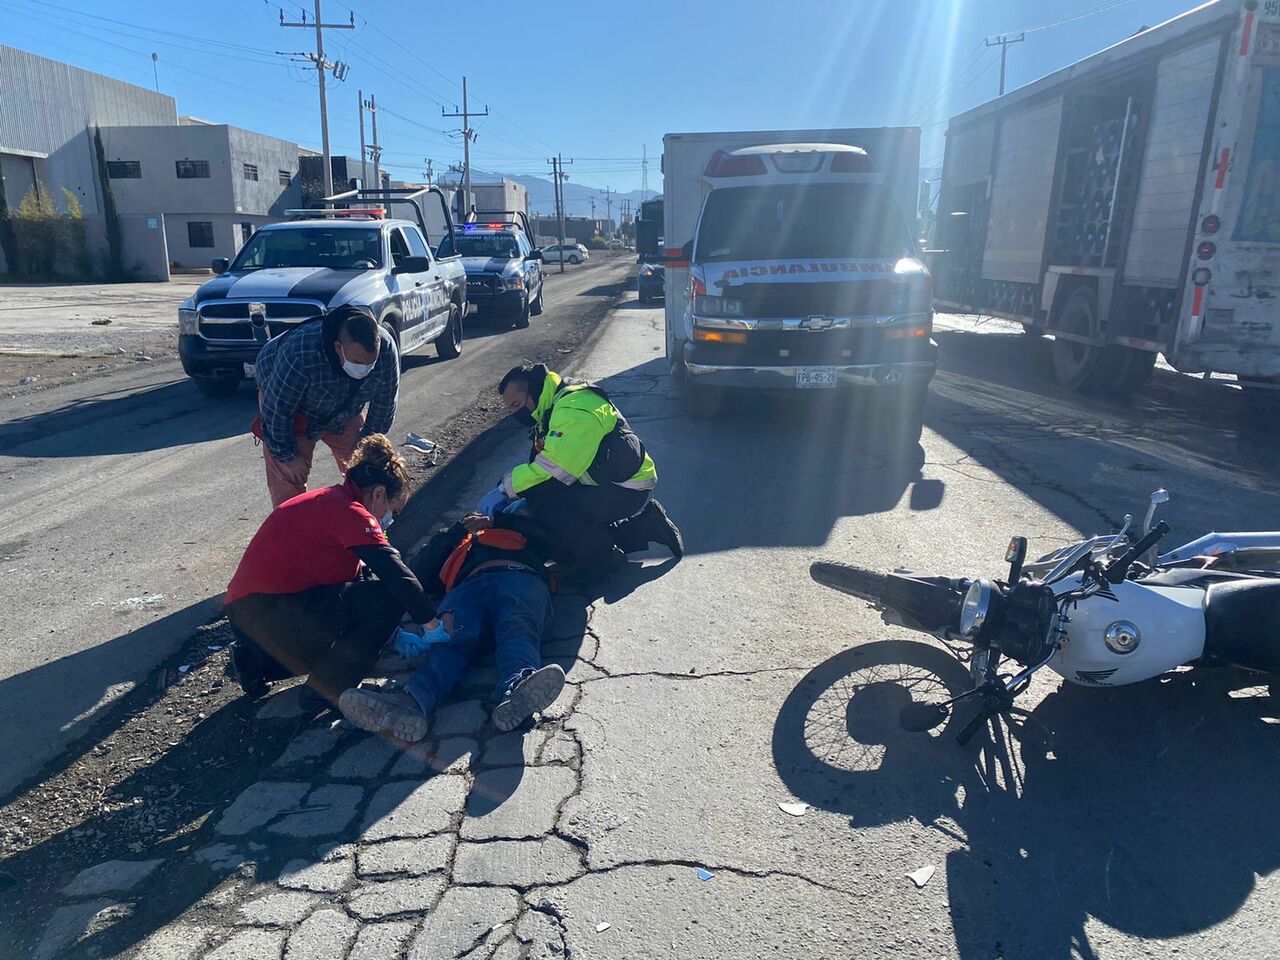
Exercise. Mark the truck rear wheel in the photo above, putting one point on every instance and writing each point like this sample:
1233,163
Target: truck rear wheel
1076,365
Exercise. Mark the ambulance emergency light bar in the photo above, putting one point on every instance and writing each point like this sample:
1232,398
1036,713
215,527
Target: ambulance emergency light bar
788,158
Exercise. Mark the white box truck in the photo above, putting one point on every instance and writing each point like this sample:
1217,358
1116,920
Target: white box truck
1129,204
790,265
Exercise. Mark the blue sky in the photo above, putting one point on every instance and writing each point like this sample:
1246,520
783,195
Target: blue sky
598,81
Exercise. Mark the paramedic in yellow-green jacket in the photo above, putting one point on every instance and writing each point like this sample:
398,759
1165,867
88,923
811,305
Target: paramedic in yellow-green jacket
589,479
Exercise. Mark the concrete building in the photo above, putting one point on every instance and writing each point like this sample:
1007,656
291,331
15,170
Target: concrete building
48,111
215,184
580,229
504,194
47,114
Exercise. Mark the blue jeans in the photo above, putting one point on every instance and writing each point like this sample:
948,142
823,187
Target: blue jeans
507,611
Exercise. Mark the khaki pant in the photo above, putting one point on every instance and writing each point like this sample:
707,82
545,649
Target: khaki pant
341,444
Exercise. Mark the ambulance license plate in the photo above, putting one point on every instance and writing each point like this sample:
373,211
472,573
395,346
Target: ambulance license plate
815,378
248,371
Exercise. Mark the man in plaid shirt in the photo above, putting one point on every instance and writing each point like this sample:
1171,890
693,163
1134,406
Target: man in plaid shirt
314,384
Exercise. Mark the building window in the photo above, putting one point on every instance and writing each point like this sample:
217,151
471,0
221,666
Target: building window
124,169
250,171
193,170
200,233
246,231
286,178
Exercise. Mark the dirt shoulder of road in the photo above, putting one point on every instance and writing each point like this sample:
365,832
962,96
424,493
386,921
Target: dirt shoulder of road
148,773
55,333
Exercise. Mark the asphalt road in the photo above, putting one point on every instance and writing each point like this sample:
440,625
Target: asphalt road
134,485
641,818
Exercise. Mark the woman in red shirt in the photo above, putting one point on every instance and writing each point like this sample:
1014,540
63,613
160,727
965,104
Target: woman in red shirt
300,602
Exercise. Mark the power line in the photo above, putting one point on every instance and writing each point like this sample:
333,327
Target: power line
322,65
974,55
978,76
1079,16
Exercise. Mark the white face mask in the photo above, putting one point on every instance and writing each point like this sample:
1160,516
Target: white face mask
386,520
356,371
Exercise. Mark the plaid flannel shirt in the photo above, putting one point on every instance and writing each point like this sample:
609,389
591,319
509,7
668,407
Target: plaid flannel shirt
299,373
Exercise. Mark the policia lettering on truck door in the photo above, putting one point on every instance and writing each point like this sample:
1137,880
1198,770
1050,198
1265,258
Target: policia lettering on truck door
589,479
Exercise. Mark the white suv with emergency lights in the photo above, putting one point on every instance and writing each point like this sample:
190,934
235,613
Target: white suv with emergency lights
803,274
293,271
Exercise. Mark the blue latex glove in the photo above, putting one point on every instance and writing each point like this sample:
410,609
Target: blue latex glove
492,502
514,506
409,644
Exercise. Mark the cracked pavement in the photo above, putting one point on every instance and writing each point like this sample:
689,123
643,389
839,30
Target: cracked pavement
640,816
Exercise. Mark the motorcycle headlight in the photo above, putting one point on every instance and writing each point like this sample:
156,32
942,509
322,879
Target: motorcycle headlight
188,322
976,608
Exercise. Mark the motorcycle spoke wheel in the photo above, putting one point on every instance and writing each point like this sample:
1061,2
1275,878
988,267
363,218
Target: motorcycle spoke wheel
854,720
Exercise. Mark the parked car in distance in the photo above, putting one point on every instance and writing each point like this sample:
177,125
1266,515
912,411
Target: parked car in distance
651,281
568,252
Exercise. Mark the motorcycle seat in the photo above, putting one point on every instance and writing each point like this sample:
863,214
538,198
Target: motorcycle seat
1242,623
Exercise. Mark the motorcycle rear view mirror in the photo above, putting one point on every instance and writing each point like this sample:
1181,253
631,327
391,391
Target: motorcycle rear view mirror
918,717
1016,556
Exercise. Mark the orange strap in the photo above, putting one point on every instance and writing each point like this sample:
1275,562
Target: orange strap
491,537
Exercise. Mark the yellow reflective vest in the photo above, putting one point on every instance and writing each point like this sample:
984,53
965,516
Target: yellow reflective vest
580,437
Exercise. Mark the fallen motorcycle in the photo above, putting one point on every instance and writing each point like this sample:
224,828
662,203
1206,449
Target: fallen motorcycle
1106,611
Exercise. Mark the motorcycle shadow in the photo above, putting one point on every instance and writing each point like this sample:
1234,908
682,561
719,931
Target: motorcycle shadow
1148,807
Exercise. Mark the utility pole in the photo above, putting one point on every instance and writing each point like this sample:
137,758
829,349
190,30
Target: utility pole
644,173
375,152
608,199
339,71
468,135
456,170
1003,41
364,156
155,70
429,172
593,208
557,167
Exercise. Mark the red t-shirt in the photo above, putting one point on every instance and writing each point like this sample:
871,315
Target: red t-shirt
306,543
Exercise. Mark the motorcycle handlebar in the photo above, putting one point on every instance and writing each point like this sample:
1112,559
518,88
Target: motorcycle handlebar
1118,569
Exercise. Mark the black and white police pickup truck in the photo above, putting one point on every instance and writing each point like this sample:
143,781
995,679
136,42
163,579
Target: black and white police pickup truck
504,271
350,252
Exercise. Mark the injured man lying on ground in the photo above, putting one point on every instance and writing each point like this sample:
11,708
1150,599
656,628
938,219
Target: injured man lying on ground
496,597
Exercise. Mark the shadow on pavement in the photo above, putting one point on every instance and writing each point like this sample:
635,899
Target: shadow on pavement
1138,806
51,698
186,806
1013,372
172,415
809,461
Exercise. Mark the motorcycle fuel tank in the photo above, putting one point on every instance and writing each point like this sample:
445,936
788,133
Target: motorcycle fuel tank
1170,631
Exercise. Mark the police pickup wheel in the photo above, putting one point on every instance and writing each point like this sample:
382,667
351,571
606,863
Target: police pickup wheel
449,343
522,318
